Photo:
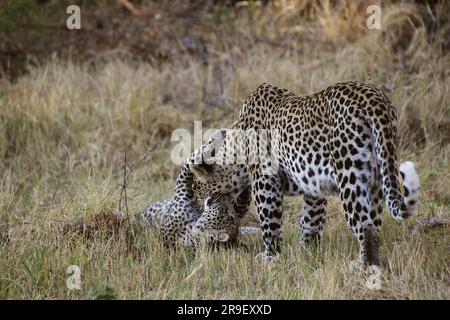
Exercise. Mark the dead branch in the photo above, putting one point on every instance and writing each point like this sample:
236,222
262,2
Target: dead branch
123,194
130,7
127,171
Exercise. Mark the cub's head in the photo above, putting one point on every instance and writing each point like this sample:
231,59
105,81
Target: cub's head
222,215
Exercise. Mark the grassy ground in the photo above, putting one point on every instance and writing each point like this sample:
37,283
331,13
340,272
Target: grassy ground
64,127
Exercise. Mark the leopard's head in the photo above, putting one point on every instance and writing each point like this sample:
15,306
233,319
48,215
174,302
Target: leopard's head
215,169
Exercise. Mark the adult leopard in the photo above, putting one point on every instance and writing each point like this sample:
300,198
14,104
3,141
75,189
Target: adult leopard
339,141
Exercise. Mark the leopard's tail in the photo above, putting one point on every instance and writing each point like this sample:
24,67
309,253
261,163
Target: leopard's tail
400,205
411,185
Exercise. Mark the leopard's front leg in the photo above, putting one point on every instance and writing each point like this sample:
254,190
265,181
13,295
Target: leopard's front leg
268,200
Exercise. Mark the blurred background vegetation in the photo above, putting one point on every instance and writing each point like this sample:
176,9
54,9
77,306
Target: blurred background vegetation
221,36
33,30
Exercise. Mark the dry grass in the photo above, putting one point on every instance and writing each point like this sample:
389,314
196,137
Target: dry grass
64,128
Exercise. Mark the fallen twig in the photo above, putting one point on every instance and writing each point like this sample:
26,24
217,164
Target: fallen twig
429,223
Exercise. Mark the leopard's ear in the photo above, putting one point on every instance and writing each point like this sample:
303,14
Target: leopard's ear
201,162
197,165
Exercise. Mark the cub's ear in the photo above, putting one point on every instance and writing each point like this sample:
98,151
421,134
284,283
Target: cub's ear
242,202
223,237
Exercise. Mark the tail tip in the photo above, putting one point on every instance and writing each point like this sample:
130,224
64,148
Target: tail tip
410,177
411,185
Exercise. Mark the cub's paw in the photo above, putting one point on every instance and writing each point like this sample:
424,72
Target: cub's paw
355,266
265,257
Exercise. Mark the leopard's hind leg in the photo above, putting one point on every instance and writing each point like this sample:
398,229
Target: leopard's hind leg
360,192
